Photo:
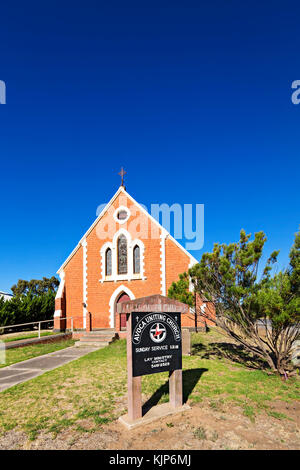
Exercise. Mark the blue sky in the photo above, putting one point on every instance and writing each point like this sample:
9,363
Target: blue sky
192,98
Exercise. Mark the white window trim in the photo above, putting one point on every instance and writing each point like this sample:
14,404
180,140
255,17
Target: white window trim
121,289
102,257
142,209
140,244
129,276
115,214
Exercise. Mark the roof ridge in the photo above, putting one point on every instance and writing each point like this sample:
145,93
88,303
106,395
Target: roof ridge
104,210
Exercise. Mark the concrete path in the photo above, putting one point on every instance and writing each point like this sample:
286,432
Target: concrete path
26,370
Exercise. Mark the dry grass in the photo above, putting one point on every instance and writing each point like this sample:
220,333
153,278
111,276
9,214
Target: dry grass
87,393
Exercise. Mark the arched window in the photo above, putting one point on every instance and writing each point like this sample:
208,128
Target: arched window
122,254
108,262
136,260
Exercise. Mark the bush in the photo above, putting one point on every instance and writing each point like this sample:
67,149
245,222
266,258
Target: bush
27,308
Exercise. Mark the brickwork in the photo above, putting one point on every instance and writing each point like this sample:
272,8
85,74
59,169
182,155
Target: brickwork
74,289
100,296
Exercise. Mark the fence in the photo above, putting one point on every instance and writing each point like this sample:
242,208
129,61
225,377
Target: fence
36,323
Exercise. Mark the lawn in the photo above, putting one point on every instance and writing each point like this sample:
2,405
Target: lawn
20,336
91,391
28,352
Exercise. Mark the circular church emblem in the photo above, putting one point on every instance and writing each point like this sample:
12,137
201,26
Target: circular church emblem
158,332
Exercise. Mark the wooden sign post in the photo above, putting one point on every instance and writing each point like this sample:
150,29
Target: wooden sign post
153,345
134,384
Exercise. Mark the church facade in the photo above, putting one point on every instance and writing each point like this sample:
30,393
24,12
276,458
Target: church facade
125,254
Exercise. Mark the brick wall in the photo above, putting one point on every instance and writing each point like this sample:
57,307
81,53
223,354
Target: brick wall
74,289
99,293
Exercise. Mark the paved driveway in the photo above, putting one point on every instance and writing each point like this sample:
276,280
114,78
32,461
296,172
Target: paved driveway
26,370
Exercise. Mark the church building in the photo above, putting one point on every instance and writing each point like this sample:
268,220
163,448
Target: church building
125,254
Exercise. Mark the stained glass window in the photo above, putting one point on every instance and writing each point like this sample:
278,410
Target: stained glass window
108,264
122,215
136,259
122,255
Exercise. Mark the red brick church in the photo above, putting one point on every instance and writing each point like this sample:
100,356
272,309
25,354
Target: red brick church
125,254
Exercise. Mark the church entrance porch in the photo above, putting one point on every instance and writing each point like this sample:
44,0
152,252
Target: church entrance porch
122,317
120,295
98,338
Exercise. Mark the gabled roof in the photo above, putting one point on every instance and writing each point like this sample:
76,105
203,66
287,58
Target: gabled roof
122,190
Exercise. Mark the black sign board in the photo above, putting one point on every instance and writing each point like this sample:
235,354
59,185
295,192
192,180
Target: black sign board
156,342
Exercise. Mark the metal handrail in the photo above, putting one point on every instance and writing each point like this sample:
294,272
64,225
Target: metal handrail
39,323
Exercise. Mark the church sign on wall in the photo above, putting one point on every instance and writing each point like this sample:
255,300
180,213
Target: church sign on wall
156,342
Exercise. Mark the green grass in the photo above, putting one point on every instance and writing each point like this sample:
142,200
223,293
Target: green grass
82,394
229,379
26,336
249,412
200,433
91,391
29,352
277,415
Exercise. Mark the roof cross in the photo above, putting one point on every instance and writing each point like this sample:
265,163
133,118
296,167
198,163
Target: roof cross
122,173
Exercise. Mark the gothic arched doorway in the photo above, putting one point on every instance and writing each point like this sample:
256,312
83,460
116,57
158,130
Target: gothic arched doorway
123,298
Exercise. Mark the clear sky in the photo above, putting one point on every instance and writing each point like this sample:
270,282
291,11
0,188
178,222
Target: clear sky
192,98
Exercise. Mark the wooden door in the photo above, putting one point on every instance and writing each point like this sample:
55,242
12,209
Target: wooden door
123,298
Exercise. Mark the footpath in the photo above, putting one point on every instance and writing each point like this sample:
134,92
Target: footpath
26,370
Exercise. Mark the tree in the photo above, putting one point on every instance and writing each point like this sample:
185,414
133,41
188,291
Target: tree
262,315
278,300
32,301
35,286
180,290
